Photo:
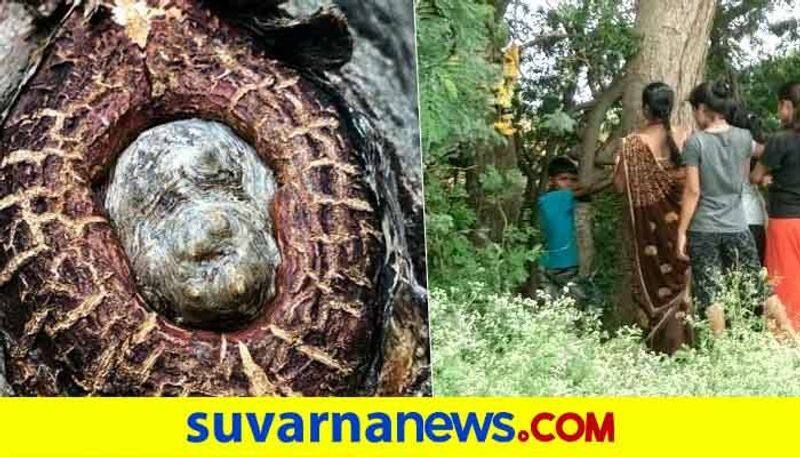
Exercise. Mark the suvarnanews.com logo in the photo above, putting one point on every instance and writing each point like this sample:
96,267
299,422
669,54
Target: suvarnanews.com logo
399,427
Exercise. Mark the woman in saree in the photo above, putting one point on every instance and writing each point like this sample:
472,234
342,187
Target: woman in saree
648,173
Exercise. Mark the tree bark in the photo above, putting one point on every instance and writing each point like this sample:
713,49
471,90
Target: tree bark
673,49
377,86
18,40
588,172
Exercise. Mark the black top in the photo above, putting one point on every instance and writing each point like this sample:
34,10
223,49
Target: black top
782,157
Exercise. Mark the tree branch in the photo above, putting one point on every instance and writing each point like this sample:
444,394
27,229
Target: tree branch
594,122
547,39
605,155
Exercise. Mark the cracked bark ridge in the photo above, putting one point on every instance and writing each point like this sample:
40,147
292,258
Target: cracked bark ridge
380,81
77,325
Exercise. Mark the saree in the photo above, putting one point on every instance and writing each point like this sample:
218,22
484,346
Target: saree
661,281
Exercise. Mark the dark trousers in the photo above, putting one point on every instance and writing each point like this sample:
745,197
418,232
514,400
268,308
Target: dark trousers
760,237
716,254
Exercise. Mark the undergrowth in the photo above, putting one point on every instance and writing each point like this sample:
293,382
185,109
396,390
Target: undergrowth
492,344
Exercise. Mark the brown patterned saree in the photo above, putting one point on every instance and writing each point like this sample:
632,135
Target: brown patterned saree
660,280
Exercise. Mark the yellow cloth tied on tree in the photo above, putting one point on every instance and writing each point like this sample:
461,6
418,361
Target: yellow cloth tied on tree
504,92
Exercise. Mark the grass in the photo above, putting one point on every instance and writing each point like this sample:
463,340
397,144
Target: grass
489,344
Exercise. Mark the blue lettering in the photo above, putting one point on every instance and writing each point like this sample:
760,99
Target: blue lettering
445,425
195,421
471,425
380,428
236,428
316,424
499,424
260,431
293,423
402,418
355,427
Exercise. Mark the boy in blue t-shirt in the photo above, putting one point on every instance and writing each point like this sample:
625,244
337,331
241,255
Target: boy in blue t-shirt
560,259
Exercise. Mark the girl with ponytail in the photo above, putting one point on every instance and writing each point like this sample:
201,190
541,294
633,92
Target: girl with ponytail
713,233
781,159
648,173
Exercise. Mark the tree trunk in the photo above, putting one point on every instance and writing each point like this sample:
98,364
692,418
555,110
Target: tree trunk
673,49
18,41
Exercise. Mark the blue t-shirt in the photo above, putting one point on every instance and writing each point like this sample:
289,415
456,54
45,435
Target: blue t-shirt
557,218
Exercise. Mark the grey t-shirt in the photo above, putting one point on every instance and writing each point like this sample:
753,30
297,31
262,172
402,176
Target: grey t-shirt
722,158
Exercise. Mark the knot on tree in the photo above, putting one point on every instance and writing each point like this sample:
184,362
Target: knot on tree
189,201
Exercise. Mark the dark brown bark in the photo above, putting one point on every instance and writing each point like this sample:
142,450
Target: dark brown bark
76,323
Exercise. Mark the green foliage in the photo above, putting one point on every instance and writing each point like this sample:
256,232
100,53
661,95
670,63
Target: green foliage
453,258
456,76
458,45
592,41
572,51
759,85
737,24
559,123
738,54
487,341
609,257
487,344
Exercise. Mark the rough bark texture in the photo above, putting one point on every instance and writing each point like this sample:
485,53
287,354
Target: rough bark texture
673,49
381,81
589,172
348,314
674,46
18,40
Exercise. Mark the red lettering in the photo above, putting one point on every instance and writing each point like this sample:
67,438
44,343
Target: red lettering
597,432
543,437
571,427
561,429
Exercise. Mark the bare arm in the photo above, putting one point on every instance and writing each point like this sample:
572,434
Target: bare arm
583,190
758,150
678,174
619,180
680,135
760,171
691,196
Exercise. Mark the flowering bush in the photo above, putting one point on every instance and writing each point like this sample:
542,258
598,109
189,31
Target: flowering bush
487,344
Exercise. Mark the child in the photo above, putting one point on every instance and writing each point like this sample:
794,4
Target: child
755,206
782,159
713,223
755,209
557,218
